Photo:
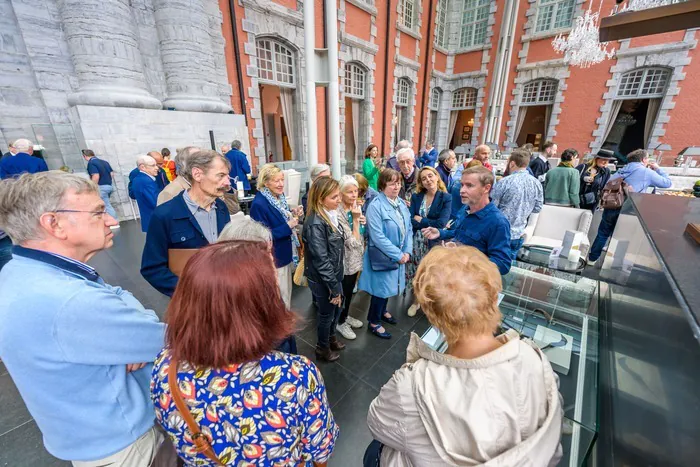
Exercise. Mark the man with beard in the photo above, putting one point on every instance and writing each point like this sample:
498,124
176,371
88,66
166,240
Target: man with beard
191,220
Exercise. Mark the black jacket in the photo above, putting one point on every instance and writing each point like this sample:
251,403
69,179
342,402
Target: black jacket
323,254
598,184
539,167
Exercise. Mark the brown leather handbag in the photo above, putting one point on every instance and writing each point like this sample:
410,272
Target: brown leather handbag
201,442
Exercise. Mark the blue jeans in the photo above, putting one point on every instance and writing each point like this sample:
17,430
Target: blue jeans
5,251
105,191
377,307
605,231
373,454
515,246
327,313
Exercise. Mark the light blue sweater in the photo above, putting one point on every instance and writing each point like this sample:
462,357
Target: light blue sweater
66,341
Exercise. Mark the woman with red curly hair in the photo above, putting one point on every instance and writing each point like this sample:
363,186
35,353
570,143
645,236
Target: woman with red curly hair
245,402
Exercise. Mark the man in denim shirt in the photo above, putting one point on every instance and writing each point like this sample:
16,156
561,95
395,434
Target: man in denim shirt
481,224
79,350
517,196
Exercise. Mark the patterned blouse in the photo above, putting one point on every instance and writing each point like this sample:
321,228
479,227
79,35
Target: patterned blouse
354,248
267,412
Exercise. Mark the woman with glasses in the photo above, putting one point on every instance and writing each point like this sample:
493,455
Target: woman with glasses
389,249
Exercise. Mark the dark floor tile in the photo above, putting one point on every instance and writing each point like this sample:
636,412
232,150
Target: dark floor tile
338,379
421,325
23,447
351,415
13,412
385,367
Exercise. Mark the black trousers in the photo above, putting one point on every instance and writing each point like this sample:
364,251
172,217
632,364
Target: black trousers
348,286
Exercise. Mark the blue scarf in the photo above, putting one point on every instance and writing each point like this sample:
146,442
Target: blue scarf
280,203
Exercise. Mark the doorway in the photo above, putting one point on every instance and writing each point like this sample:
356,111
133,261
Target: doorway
534,125
463,129
632,126
275,128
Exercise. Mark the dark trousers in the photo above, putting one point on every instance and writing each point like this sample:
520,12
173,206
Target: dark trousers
373,454
348,287
289,345
327,313
605,231
377,308
5,251
515,246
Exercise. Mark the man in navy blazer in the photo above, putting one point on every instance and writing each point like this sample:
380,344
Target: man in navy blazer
191,220
240,168
22,161
144,189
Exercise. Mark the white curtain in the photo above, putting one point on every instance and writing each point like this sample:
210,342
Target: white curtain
652,112
614,111
451,128
522,111
287,101
547,117
356,123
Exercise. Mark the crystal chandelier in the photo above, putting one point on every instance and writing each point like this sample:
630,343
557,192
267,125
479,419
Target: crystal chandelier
581,46
637,5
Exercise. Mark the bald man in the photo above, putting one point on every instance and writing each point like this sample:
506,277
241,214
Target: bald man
482,153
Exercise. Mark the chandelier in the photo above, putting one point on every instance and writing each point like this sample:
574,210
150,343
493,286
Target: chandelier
637,5
581,46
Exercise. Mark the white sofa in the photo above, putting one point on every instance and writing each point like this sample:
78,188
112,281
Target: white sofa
548,227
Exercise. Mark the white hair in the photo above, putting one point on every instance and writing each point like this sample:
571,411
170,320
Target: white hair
347,181
243,227
317,169
404,143
145,160
25,199
405,151
23,145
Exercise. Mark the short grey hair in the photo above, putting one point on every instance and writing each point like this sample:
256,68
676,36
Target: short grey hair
317,169
182,157
403,144
235,144
25,199
145,160
244,228
202,159
446,154
347,181
405,151
23,145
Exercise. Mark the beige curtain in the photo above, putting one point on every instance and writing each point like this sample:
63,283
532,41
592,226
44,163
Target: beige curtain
356,123
614,111
452,125
652,112
547,118
522,111
287,101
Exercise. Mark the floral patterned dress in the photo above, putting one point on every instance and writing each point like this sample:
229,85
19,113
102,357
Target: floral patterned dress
420,248
267,412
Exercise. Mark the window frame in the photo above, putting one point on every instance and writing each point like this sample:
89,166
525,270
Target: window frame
355,88
411,22
468,29
441,32
464,98
538,93
399,91
435,98
644,74
556,6
272,55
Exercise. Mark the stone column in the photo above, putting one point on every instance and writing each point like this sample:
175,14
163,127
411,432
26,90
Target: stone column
188,56
103,44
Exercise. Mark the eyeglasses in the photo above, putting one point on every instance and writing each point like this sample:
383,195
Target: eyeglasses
98,214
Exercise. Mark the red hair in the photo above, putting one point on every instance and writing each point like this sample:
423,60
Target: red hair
227,306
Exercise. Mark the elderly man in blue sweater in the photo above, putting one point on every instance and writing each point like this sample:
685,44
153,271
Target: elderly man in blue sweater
80,351
639,174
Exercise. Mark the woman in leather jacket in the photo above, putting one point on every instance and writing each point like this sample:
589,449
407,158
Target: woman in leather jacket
594,175
323,262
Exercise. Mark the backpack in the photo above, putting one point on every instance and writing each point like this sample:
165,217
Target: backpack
614,194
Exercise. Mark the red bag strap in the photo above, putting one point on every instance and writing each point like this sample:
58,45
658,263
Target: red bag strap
201,442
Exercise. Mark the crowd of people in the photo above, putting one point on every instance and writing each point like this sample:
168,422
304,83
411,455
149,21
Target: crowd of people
221,383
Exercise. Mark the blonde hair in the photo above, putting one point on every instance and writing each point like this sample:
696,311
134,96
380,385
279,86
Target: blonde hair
322,188
419,184
457,289
362,184
266,173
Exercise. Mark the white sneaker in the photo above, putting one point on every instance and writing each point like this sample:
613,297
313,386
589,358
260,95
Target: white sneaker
413,309
346,331
590,262
354,323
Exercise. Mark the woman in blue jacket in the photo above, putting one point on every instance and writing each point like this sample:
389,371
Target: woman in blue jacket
431,205
270,208
389,249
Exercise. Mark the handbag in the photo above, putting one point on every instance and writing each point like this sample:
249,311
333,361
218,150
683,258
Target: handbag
380,261
201,442
588,198
299,278
614,194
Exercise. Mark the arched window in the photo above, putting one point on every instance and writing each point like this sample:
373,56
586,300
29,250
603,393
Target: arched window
554,14
276,63
355,81
475,19
539,92
464,98
643,83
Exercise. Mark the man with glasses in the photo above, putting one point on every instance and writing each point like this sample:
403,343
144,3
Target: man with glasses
406,159
80,351
145,188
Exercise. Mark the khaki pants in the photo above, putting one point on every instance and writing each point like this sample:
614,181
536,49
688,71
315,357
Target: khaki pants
138,454
284,277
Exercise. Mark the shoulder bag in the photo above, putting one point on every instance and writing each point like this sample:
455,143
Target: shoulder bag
201,442
614,194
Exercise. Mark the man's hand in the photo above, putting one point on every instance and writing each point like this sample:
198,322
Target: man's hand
417,218
337,300
431,233
131,367
653,166
404,259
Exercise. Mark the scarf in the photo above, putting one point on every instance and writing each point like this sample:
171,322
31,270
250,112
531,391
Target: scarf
399,216
280,203
566,164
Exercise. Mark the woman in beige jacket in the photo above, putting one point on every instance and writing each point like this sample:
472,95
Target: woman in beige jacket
487,401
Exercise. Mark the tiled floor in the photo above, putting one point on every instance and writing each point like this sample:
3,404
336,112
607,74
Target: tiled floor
352,382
